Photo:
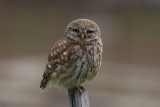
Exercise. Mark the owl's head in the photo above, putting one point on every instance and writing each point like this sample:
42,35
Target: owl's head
82,31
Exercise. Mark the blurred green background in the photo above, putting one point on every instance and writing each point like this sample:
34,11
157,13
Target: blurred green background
130,72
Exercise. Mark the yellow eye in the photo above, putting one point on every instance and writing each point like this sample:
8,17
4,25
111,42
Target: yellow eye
75,30
90,31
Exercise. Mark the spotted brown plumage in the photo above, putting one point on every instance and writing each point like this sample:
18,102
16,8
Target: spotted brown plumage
76,57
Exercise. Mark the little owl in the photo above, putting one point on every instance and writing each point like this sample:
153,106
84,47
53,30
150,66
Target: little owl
76,57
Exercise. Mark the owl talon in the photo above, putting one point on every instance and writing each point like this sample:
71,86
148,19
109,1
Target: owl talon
81,89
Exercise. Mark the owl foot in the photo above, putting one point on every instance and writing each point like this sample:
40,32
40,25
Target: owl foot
81,89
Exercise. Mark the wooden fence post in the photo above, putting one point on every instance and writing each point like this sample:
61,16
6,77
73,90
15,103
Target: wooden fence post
77,98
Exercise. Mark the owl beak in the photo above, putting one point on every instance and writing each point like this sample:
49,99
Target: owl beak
82,36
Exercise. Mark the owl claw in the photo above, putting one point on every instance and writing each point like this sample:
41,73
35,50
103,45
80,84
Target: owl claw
81,89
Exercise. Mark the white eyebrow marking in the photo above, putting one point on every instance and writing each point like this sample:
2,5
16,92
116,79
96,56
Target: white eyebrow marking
91,29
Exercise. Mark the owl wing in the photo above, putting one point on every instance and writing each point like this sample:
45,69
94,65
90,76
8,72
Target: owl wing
57,56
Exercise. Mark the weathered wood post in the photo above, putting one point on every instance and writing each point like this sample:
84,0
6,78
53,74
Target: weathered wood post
77,98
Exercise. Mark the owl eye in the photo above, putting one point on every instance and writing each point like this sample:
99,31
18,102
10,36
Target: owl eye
90,31
75,30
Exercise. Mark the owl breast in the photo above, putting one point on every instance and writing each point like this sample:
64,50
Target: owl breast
88,61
